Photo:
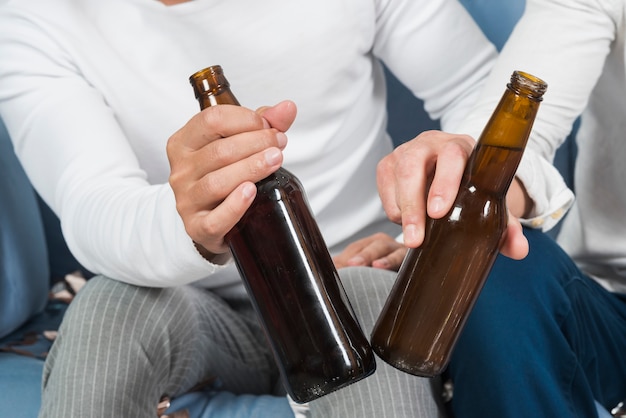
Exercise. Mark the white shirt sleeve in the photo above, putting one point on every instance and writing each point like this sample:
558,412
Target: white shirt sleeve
88,158
564,42
436,49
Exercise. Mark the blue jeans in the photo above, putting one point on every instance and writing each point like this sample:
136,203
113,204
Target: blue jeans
543,340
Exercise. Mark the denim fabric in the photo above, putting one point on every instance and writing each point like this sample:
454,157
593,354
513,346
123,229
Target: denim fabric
543,340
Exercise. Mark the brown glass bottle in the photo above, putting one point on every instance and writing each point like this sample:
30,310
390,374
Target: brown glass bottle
439,282
277,246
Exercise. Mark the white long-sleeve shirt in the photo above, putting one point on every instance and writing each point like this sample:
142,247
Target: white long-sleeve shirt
578,47
90,91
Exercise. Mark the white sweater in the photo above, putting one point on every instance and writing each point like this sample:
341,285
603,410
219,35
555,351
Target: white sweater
90,91
578,47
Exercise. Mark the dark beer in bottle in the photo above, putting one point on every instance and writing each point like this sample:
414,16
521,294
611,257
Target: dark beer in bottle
439,282
289,274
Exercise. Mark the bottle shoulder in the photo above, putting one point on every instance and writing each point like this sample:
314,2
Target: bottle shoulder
281,179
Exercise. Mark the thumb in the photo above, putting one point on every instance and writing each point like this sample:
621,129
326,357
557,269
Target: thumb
279,116
514,244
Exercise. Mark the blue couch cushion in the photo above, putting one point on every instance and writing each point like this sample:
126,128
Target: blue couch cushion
20,385
24,271
217,404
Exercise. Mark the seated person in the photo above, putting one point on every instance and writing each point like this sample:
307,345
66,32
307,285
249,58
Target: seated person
93,93
547,336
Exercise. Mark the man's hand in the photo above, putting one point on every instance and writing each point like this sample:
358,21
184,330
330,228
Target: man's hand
422,177
378,250
215,161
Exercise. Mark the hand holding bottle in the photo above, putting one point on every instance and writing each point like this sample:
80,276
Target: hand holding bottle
286,268
215,160
422,177
440,281
377,250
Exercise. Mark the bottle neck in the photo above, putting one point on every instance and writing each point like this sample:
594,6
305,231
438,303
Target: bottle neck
494,161
511,122
492,168
222,96
212,88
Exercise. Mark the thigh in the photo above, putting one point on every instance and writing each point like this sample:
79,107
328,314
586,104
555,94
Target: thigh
540,325
118,340
388,392
596,330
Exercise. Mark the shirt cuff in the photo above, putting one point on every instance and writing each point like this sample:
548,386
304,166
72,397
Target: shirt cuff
547,189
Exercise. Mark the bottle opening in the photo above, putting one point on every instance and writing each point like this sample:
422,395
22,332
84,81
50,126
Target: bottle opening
208,81
528,85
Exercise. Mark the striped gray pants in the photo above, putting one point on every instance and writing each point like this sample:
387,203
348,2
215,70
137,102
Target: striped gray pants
121,347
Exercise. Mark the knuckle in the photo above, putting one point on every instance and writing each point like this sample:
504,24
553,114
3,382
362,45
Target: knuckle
170,145
404,171
379,236
212,184
430,135
456,149
211,228
268,137
394,214
221,152
211,116
257,167
382,168
181,208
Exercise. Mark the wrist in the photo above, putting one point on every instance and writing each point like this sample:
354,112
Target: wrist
518,201
210,256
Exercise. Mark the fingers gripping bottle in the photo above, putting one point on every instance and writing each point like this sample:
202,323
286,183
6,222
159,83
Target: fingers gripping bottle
289,274
439,282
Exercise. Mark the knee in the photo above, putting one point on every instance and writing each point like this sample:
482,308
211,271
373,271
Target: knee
110,310
367,290
532,284
101,300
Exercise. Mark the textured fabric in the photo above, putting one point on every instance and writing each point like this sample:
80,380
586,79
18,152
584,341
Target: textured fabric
544,340
549,38
102,86
389,393
122,347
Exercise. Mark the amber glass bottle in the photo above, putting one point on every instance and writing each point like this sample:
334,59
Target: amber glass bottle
317,341
439,282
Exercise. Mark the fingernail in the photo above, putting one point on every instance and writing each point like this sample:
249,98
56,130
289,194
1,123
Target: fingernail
281,138
436,204
382,263
272,156
248,190
411,234
356,261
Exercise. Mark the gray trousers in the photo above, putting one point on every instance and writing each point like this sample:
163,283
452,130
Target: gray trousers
121,347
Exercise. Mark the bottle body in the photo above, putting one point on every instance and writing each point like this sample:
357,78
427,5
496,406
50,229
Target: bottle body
439,282
289,274
295,288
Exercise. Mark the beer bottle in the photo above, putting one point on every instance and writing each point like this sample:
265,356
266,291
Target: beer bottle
289,274
439,282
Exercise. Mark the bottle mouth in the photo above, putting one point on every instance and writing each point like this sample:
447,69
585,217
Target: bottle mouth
528,85
212,71
209,80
